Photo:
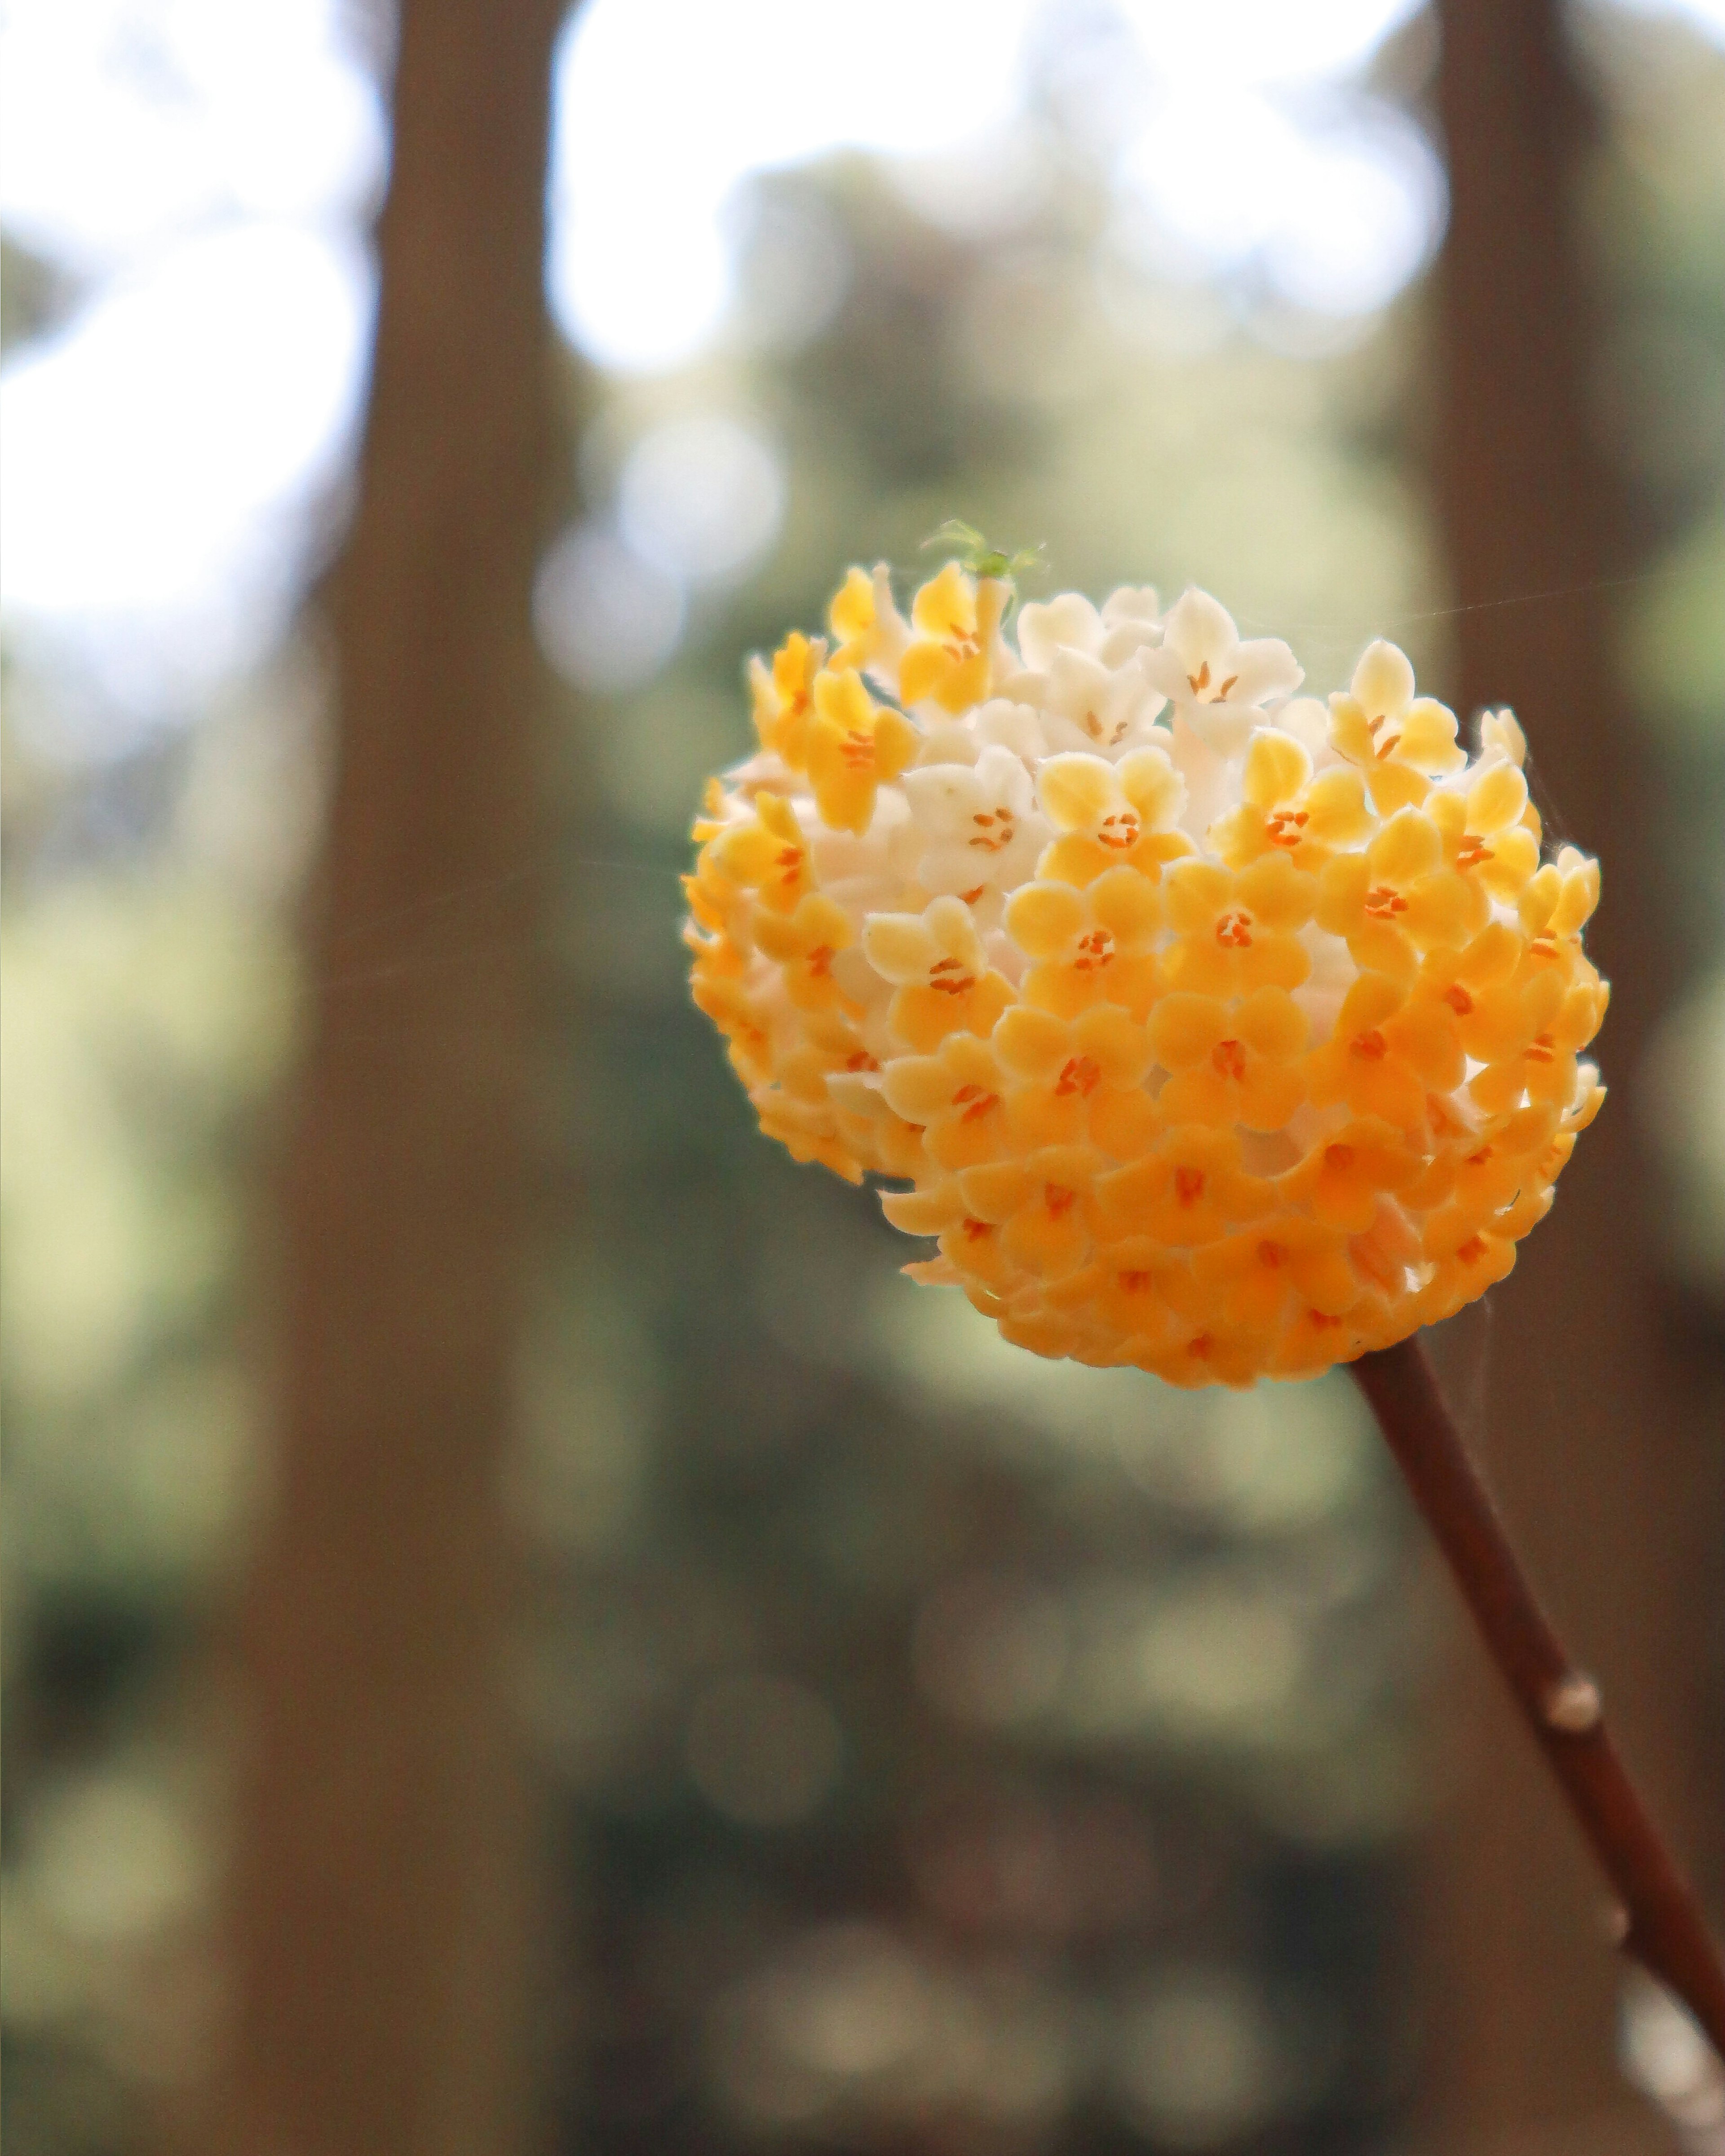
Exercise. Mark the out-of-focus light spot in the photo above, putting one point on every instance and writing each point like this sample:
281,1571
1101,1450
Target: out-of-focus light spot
762,1750
1228,43
990,185
1368,217
1666,2054
991,1650
847,2023
638,267
113,1860
128,123
1259,1463
1336,220
701,498
1218,1658
1707,16
203,168
163,449
638,270
606,620
1197,2059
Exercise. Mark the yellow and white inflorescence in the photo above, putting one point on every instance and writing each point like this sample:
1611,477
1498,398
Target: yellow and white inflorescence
1212,1028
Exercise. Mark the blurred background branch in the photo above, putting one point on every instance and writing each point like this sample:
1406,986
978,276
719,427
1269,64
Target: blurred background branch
1599,1422
380,1890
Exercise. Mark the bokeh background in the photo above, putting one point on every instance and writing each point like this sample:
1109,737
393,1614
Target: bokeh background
918,1747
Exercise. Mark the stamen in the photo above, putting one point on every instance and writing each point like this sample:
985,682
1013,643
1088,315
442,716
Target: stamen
1082,1074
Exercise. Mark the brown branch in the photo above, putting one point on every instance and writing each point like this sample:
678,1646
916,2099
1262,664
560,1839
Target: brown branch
1664,1928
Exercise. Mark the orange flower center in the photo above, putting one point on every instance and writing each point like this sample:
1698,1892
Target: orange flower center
1229,1056
858,751
1082,1074
1199,683
1095,950
1233,930
975,1101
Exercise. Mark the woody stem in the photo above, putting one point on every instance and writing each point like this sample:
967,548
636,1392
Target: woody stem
1663,1926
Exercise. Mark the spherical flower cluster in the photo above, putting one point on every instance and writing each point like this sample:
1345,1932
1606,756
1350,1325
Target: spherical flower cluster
1212,1029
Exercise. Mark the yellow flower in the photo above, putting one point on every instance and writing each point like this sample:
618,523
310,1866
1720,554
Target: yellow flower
855,745
1230,1063
1284,809
948,659
1401,739
768,855
803,946
1275,1056
868,629
935,961
784,697
1111,815
1235,933
1090,945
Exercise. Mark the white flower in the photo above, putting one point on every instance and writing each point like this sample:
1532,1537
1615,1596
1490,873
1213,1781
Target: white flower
1126,623
1090,709
855,870
1500,736
1218,685
978,824
999,722
1083,671
1114,807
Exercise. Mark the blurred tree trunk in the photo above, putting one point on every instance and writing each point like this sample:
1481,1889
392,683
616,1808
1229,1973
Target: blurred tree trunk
378,1937
1598,1437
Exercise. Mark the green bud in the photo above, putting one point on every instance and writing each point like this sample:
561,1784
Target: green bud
973,552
